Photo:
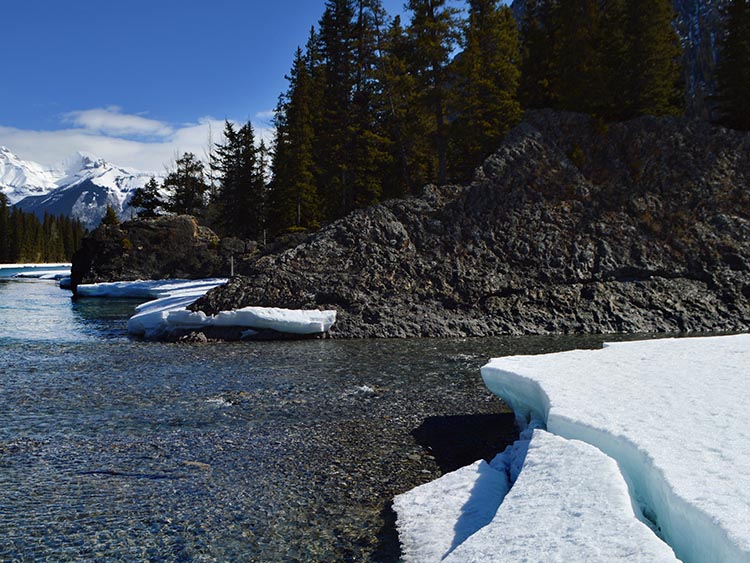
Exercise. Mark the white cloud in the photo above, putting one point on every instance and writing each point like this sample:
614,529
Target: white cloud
124,140
111,121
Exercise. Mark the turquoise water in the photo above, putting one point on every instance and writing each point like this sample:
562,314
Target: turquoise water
117,450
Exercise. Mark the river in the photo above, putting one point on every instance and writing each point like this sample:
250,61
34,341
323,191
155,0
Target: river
113,449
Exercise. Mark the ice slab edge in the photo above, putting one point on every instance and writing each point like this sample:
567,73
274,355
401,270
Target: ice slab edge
691,533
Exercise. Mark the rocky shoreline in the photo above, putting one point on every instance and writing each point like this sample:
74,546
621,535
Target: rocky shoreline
570,227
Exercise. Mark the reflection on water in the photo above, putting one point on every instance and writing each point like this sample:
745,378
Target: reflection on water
117,450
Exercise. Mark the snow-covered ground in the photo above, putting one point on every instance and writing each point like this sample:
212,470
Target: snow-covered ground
168,310
38,271
664,417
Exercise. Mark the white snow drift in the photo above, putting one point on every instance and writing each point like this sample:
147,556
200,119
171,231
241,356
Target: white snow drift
168,310
669,416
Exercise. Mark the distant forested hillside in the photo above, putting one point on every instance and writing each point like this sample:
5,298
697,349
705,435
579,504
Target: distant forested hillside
26,239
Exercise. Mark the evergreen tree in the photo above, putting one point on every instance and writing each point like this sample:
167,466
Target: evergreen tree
110,217
433,33
241,184
147,200
578,77
294,199
653,59
406,123
369,151
733,67
5,257
537,33
187,186
486,77
335,129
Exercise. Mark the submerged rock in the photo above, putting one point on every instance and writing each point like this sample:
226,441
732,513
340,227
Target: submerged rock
569,227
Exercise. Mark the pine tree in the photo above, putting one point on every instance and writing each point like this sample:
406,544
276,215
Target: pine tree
653,85
486,77
733,67
369,151
147,200
110,217
294,202
335,130
537,33
579,74
187,186
433,33
5,257
404,126
241,185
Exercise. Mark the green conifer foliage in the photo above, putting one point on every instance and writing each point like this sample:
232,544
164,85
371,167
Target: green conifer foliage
4,229
733,67
147,200
241,198
187,186
406,123
486,77
294,199
433,33
653,59
537,32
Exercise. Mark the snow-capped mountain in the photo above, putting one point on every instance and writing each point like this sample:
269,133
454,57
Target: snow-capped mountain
21,178
82,186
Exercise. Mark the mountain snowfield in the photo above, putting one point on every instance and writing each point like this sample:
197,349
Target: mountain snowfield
81,187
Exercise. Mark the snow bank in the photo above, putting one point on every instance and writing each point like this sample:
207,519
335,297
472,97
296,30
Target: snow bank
570,503
43,274
670,413
39,271
434,518
149,289
168,312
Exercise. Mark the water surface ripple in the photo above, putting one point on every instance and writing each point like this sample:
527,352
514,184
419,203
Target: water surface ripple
118,450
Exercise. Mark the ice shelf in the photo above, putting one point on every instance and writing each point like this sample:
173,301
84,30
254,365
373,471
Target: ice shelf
670,412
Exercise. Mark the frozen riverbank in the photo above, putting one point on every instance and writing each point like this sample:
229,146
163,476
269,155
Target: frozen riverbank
633,402
165,315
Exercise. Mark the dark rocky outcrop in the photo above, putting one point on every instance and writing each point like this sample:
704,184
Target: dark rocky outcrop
159,248
569,227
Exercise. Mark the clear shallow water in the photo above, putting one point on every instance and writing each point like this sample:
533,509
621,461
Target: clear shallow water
118,450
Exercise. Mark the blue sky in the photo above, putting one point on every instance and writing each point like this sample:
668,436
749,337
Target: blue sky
139,81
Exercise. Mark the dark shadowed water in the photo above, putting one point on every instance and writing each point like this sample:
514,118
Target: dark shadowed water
118,450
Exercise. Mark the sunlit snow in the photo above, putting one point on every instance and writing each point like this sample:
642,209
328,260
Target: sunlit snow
168,310
665,417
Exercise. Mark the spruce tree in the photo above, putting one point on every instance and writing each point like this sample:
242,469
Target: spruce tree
733,67
241,185
405,122
294,202
335,129
5,257
537,33
484,94
579,75
433,33
653,84
147,200
186,186
369,154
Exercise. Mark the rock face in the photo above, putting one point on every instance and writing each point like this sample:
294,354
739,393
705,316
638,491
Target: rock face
160,248
567,228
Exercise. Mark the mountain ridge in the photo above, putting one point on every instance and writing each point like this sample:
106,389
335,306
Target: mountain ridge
82,186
